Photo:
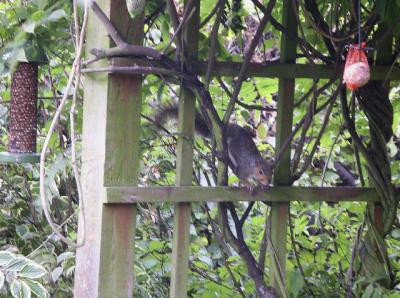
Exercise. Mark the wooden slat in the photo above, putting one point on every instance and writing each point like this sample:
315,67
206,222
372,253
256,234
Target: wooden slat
289,71
184,166
110,156
160,194
275,70
280,210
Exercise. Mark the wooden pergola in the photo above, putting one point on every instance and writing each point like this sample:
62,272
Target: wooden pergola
110,159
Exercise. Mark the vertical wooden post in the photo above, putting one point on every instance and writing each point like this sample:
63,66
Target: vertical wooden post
184,167
110,156
279,211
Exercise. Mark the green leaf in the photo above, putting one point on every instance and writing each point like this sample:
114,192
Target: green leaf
296,282
395,233
37,288
16,288
64,256
42,4
56,273
6,257
56,15
20,55
26,290
29,27
32,270
22,230
18,264
262,131
2,278
37,15
368,291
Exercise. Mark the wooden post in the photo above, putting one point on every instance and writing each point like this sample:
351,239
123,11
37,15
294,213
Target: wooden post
184,166
110,157
279,211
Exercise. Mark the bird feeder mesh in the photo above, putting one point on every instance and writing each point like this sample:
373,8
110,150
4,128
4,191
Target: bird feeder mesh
356,70
22,129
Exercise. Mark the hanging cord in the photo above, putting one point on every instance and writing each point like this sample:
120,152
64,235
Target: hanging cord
359,43
359,24
75,69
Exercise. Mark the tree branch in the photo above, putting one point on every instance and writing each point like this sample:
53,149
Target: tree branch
249,54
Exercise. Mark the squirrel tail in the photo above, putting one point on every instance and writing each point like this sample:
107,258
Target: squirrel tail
171,112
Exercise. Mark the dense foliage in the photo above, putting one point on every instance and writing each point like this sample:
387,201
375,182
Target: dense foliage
321,236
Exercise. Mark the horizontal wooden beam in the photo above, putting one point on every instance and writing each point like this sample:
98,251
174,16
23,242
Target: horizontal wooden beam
279,70
133,194
231,69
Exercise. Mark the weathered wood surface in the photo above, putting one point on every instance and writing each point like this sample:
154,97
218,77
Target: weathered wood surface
272,70
284,119
184,163
290,71
110,156
160,194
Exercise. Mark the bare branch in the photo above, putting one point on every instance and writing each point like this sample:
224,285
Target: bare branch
249,54
214,39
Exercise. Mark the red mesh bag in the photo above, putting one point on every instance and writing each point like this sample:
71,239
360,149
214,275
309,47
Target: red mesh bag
356,69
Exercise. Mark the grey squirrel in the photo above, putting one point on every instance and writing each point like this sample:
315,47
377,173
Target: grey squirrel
244,158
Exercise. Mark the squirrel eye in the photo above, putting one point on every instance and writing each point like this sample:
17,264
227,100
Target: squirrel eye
261,172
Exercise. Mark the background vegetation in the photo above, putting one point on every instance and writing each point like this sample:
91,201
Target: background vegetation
321,235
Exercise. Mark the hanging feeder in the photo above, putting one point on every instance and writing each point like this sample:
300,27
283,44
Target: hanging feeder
23,105
356,70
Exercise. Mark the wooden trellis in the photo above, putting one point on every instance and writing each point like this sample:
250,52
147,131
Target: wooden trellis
110,160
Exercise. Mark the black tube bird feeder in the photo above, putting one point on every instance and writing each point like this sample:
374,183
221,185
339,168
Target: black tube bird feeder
23,107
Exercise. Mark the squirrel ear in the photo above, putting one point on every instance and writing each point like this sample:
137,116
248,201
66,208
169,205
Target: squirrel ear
258,164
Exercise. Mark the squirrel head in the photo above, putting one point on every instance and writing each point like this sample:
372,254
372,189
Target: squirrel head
263,172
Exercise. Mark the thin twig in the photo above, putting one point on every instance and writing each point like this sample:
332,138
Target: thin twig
214,39
246,213
350,274
73,136
51,235
264,243
210,15
329,156
297,257
316,144
178,29
53,124
247,59
278,26
242,104
114,34
173,14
